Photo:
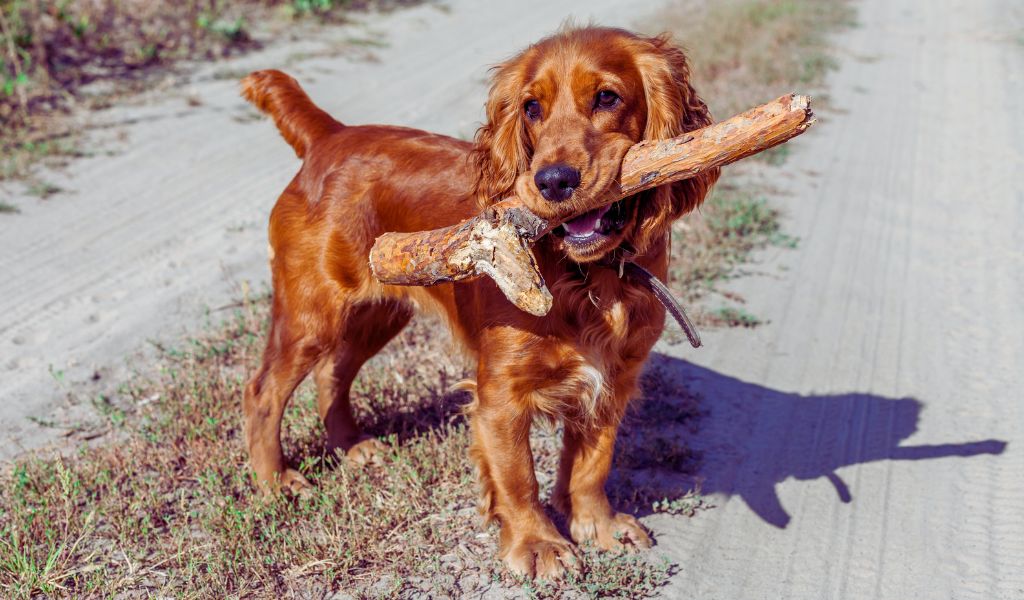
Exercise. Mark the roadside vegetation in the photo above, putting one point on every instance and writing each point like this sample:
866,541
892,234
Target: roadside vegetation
171,505
743,53
51,49
163,505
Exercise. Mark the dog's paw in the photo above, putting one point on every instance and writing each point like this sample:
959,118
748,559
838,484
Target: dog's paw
294,482
284,481
367,451
541,558
618,532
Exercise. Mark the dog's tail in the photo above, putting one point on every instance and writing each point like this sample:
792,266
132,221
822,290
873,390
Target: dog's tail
300,121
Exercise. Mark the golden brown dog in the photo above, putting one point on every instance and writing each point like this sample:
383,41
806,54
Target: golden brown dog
560,117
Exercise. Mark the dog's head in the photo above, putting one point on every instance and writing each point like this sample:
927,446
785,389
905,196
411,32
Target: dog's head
562,114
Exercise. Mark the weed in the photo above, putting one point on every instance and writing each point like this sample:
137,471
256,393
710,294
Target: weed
734,317
43,189
776,156
230,74
8,208
57,375
24,147
687,505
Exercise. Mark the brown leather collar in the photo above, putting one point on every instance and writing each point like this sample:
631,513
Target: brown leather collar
622,261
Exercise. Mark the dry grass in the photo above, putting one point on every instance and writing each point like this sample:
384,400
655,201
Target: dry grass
171,507
165,505
745,52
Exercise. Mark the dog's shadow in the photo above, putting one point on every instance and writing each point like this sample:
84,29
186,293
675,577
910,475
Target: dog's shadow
742,439
696,427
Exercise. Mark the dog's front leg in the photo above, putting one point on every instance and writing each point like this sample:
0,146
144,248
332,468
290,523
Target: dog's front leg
580,494
530,544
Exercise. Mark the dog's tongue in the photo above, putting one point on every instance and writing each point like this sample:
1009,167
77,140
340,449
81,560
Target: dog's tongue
586,223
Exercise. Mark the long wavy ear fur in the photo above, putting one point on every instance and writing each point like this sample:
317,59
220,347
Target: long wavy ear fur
502,148
673,108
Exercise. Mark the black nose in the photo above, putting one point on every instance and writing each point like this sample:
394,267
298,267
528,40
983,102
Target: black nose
557,182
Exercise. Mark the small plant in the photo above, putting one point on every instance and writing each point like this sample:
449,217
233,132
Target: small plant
307,7
735,317
43,189
233,30
686,506
776,156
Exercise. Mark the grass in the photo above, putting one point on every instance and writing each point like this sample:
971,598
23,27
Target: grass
43,189
710,247
165,506
25,148
735,317
171,507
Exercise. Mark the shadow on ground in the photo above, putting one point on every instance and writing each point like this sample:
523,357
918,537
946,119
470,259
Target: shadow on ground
751,438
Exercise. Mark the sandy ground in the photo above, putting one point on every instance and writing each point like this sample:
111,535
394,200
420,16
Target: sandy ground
865,443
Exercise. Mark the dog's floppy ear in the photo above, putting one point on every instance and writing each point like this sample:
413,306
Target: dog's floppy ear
502,149
673,108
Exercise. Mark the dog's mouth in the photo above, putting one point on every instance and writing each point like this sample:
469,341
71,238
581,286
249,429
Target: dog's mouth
588,233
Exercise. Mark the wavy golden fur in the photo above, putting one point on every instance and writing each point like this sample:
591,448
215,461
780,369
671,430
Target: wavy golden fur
560,117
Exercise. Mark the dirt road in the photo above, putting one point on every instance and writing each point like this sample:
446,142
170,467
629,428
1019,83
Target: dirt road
865,443
869,441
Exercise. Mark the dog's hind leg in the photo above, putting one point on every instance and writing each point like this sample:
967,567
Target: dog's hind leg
368,327
288,358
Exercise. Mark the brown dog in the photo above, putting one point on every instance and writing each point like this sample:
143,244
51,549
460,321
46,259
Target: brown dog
560,117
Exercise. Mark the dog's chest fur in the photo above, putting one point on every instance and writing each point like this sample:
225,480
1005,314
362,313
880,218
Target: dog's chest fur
602,330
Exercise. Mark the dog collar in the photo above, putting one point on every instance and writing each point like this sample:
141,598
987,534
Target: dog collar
622,261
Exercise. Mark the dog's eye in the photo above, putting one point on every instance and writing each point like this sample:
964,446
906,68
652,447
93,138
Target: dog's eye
532,109
606,99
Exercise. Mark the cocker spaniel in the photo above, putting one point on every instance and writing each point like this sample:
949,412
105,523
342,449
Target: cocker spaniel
560,117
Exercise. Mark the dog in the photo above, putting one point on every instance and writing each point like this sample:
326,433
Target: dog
560,117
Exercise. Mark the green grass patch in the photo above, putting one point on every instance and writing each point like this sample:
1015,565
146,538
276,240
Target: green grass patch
709,245
734,317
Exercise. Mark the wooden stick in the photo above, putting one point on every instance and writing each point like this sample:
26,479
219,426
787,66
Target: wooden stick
497,242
